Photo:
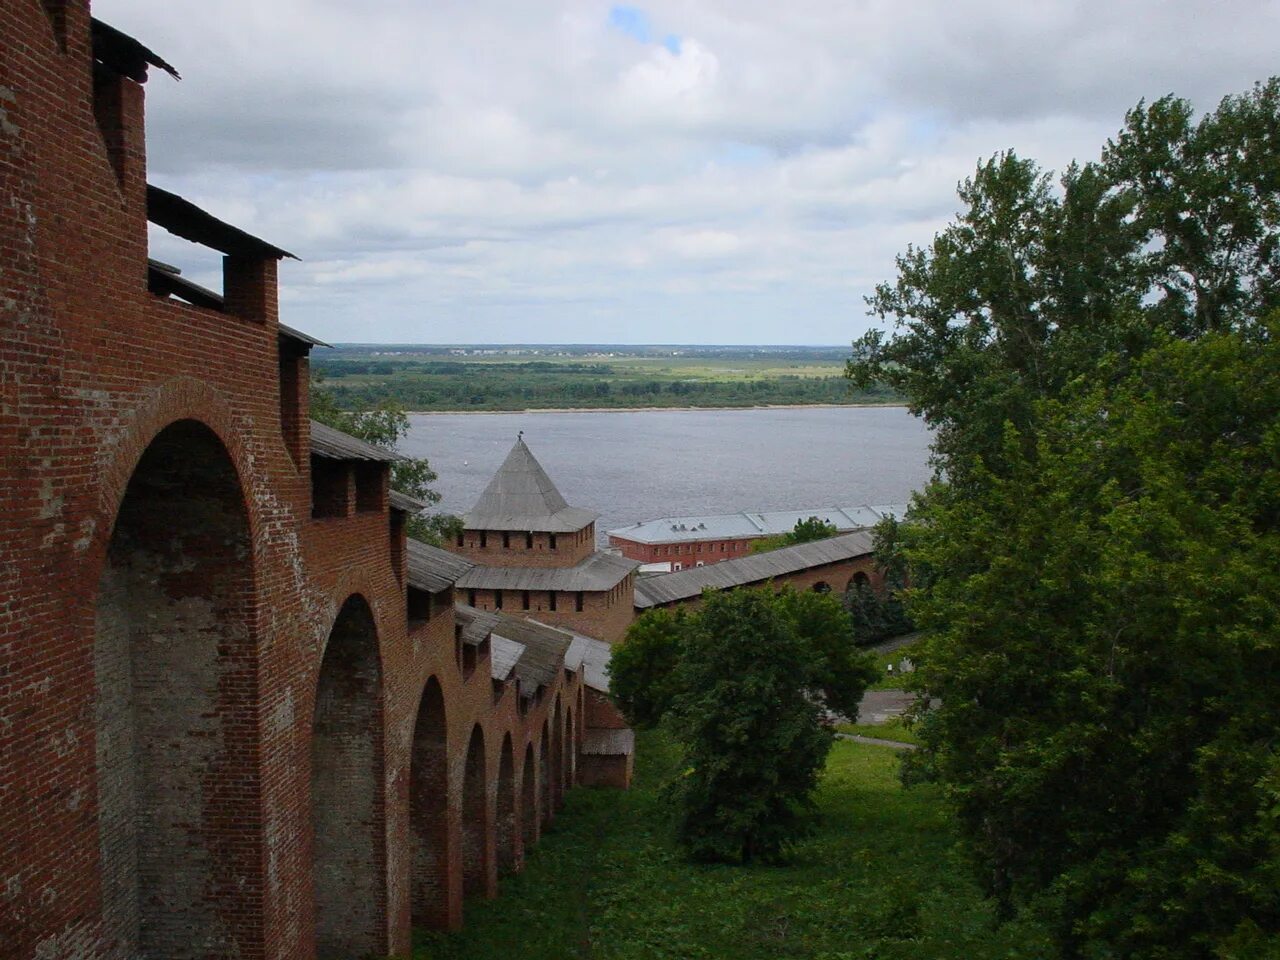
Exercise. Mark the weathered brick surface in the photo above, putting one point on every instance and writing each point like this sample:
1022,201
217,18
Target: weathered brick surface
520,548
604,614
686,554
209,699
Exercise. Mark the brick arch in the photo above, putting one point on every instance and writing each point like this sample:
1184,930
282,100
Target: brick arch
545,810
174,661
182,398
476,854
570,749
857,581
429,810
529,799
557,756
347,809
507,834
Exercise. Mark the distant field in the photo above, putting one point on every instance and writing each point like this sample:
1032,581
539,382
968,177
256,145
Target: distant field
519,378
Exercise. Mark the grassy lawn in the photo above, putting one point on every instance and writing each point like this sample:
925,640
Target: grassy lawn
878,879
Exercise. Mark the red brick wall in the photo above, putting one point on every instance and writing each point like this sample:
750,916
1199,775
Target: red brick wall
687,554
523,549
605,615
95,368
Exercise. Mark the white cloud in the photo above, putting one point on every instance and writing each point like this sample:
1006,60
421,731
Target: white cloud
476,169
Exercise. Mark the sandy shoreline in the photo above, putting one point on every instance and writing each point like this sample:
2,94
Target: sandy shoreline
762,406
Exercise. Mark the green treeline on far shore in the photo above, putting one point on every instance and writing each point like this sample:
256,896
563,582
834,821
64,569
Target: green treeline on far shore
461,379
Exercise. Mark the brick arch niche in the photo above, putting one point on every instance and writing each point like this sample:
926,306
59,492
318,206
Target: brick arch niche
544,777
475,819
507,833
529,800
174,674
570,749
429,811
557,757
346,812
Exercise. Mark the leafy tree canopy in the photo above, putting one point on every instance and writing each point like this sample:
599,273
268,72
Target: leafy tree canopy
1097,566
1174,230
745,685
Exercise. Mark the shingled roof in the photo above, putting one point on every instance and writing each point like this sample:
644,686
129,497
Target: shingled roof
433,569
532,651
335,445
598,572
686,584
522,497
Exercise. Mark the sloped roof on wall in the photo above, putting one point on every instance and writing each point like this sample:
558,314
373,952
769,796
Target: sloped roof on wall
433,569
184,219
592,657
123,54
605,742
533,652
522,497
335,445
686,584
600,571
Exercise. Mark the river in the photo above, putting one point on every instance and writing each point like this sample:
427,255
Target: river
637,465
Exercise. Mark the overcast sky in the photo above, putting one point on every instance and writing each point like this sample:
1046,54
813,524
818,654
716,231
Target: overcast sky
568,171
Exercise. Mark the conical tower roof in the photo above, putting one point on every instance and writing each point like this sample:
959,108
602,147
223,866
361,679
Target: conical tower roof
522,497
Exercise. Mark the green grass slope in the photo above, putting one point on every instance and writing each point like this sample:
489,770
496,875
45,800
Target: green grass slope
878,879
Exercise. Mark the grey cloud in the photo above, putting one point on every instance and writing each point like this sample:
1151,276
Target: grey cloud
505,170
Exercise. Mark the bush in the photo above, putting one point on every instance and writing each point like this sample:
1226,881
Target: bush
745,685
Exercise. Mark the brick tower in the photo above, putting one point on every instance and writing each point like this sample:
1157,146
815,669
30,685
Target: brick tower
536,555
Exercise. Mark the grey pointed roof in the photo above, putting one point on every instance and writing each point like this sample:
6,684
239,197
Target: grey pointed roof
522,497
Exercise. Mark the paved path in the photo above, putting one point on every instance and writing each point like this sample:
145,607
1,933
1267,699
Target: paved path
879,706
875,741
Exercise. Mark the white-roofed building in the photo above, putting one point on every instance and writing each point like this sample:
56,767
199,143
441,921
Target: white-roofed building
668,544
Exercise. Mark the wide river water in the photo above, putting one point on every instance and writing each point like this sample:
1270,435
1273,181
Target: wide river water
638,465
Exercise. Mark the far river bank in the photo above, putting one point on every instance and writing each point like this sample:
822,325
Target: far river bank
757,406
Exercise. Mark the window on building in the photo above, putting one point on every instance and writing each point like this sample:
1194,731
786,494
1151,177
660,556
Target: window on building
459,539
528,541
551,540
524,600
506,540
471,598
484,539
551,599
577,601
497,599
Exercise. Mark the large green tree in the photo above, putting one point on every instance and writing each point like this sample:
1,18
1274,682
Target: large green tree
745,684
1173,230
1097,564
